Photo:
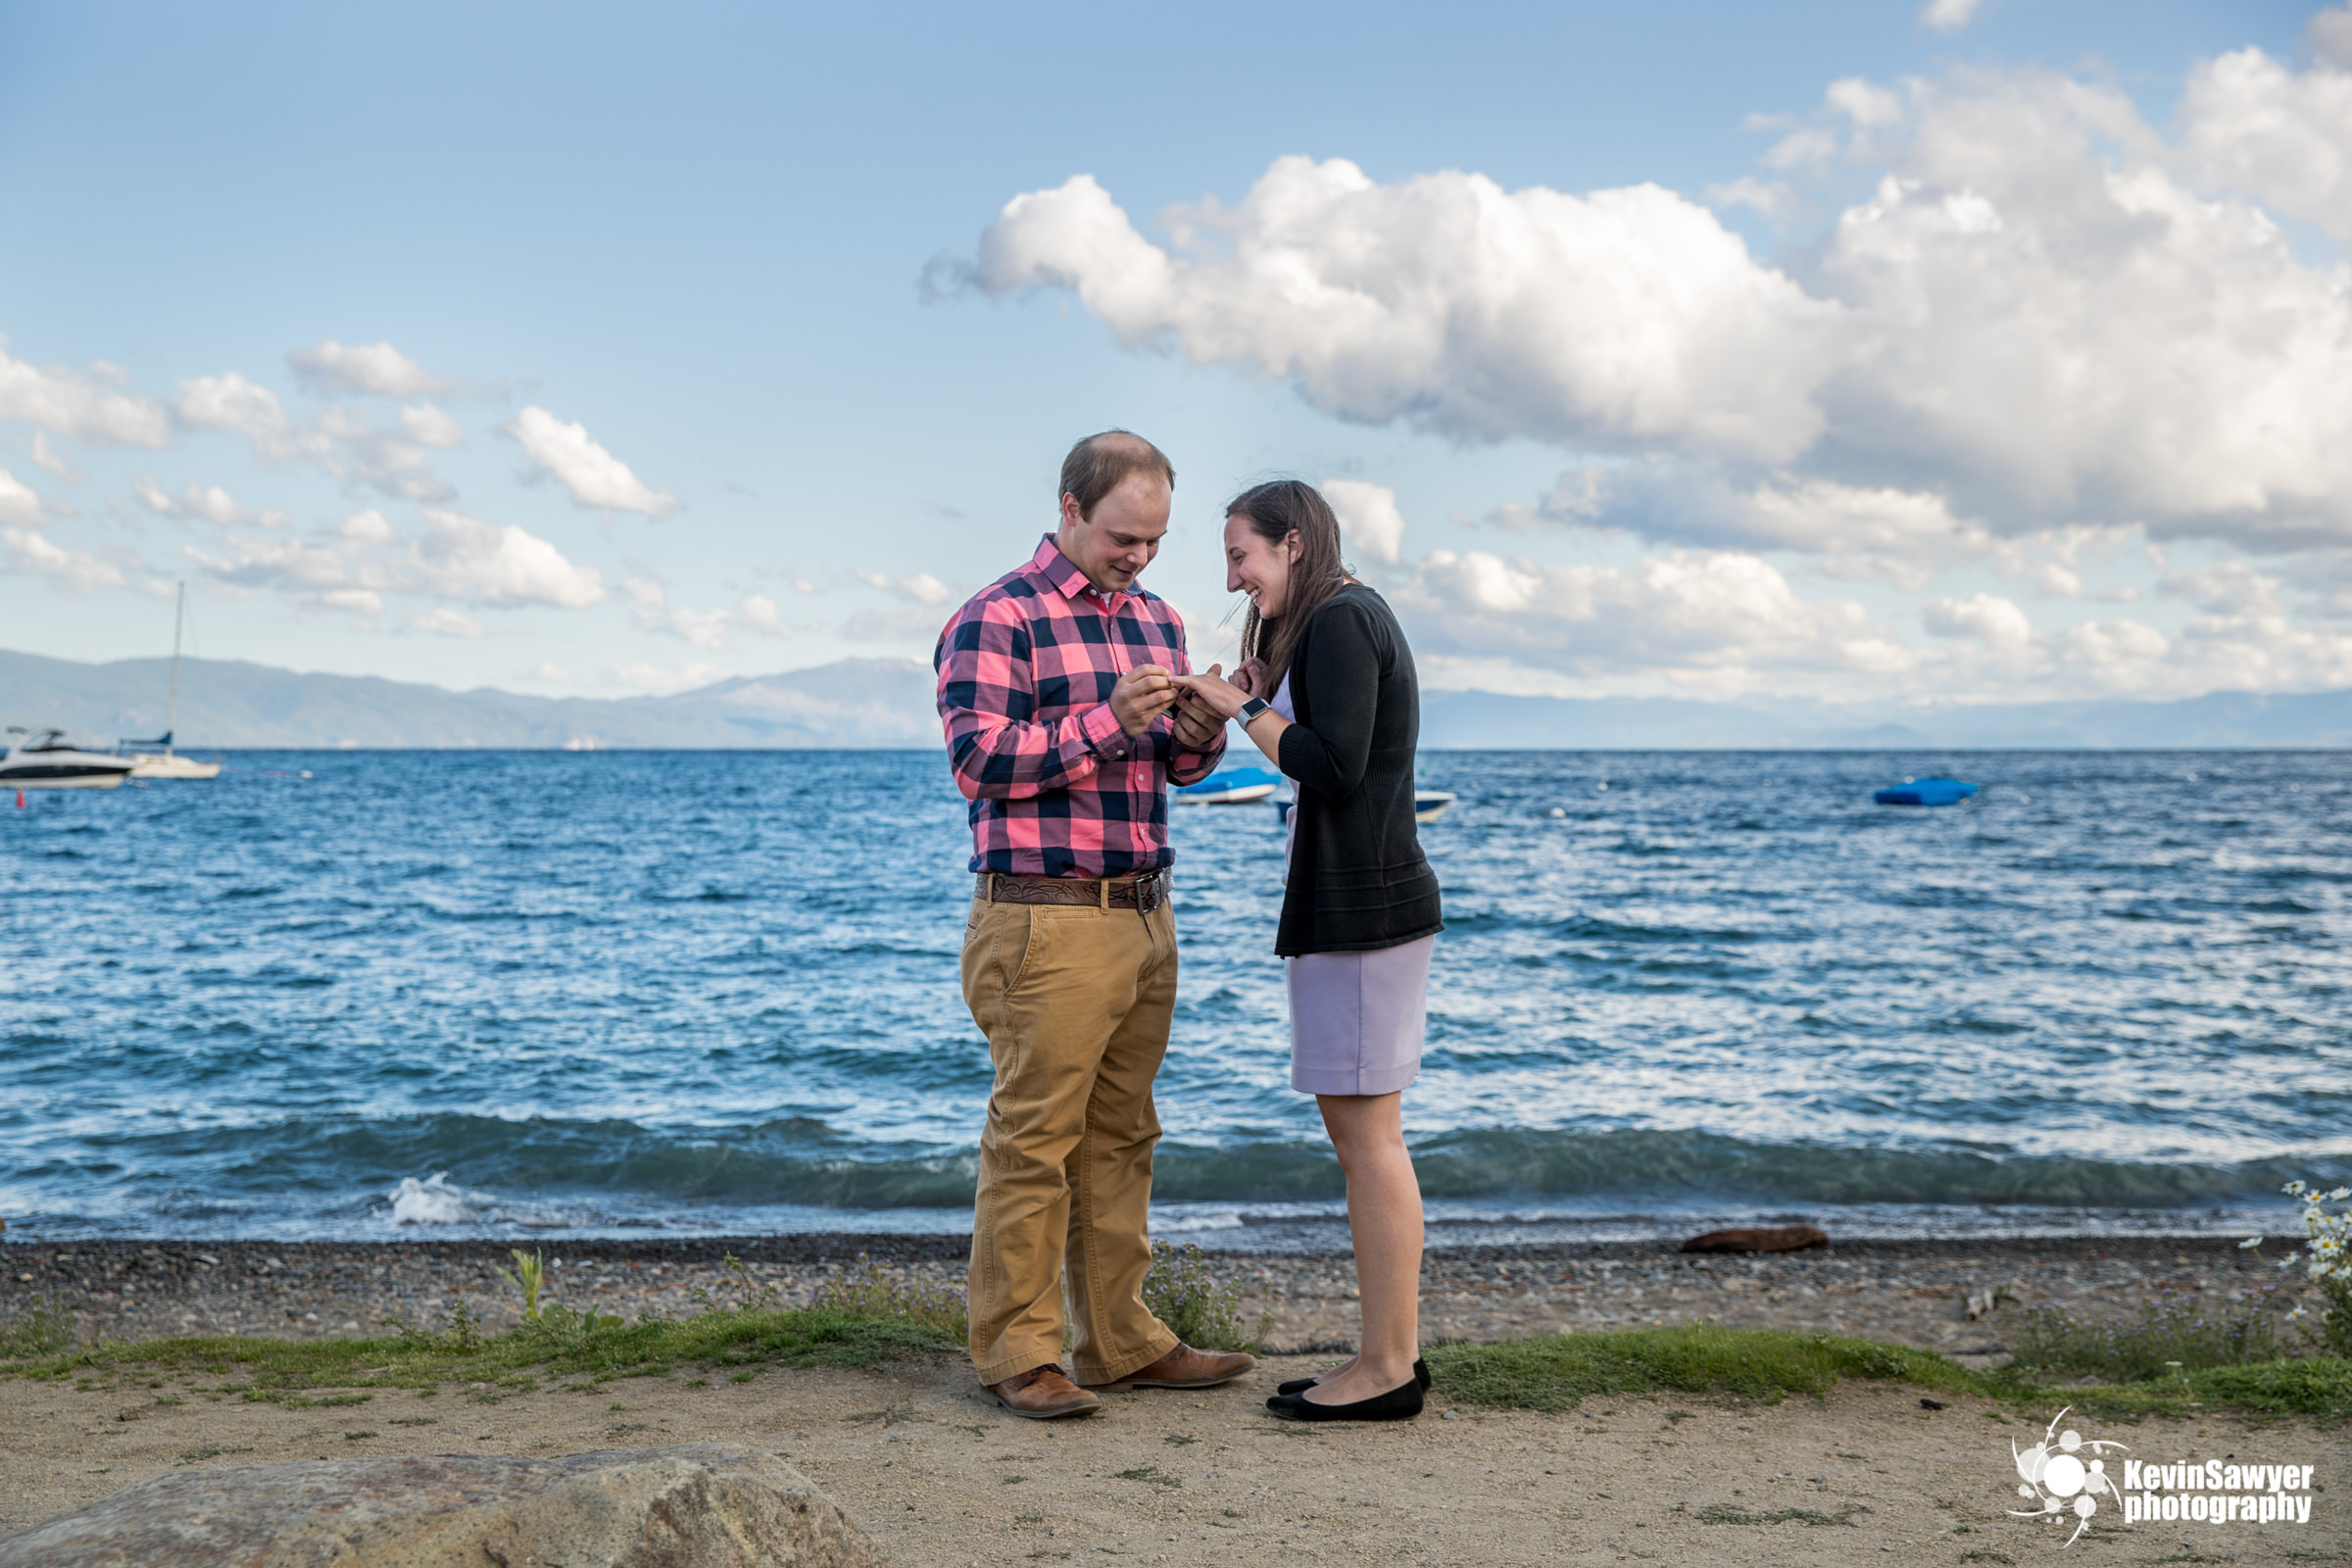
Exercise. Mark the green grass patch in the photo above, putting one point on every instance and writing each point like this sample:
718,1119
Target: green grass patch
42,1329
2175,1330
1185,1290
1560,1371
555,1347
1779,1516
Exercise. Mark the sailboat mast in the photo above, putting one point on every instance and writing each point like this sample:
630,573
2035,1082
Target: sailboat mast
179,610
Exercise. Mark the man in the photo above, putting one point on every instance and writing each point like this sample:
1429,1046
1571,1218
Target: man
1054,684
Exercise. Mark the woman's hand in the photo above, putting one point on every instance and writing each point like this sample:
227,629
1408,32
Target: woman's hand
1211,690
1247,676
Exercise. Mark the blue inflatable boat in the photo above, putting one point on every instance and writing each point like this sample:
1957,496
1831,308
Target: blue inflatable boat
1234,786
1925,792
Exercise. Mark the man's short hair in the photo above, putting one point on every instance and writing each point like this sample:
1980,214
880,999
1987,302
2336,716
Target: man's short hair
1097,465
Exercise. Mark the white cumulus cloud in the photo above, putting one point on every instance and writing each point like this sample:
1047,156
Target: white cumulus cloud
210,503
1723,619
594,477
465,558
429,425
712,628
1948,15
89,405
1368,517
77,572
19,503
1622,316
2045,313
46,456
1990,619
443,622
2282,136
377,369
230,403
916,588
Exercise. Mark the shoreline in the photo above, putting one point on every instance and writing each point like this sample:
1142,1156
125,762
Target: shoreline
1906,1290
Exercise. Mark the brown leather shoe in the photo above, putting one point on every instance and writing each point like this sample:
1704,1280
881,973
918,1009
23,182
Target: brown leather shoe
1042,1394
1187,1368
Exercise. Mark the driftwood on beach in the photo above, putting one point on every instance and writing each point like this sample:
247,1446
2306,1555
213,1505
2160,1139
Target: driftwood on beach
1767,1238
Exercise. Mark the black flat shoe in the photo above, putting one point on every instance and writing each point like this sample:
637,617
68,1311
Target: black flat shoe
1302,1385
1400,1403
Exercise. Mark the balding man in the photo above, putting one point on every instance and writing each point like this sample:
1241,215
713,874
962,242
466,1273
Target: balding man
1063,730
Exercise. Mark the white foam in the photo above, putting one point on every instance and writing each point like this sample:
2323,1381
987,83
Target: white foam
430,1201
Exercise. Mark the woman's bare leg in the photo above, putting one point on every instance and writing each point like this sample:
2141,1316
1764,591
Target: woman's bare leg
1384,1215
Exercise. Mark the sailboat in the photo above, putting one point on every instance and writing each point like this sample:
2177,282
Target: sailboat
156,759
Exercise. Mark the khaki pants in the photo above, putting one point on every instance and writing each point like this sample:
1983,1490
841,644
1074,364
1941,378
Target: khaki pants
1075,1001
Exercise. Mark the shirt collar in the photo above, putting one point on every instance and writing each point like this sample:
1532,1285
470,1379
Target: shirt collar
1056,569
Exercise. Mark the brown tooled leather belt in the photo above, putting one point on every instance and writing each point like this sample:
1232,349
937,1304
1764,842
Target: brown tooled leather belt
1146,892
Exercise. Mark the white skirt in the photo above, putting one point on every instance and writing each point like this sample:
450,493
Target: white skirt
1357,1020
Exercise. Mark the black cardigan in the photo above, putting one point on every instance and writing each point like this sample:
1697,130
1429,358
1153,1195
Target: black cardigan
1357,878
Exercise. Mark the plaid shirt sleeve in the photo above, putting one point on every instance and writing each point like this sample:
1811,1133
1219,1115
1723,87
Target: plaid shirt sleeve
988,698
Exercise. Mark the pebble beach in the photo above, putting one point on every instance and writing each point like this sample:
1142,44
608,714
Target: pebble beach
1909,1291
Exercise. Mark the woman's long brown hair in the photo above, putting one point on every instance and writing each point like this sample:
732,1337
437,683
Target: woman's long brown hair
1274,512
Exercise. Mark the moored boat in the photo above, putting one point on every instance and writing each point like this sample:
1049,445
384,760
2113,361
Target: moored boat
1232,786
1925,792
159,760
156,759
45,760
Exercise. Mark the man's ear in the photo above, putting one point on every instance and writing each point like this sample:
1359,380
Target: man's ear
1071,516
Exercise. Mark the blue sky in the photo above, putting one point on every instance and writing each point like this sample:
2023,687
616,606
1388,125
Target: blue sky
764,260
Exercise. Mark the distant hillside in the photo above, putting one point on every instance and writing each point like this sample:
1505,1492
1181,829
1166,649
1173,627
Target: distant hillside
861,703
2221,720
854,703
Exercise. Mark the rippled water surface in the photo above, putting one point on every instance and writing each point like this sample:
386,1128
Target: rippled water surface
347,993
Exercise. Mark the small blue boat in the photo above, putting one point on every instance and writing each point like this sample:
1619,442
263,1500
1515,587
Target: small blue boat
1233,786
1925,792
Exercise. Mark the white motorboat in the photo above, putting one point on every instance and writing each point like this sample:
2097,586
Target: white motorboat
42,760
155,758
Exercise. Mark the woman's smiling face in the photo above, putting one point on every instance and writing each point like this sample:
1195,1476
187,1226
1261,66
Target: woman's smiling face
1257,565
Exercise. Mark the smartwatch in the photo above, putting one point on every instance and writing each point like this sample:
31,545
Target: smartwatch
1252,708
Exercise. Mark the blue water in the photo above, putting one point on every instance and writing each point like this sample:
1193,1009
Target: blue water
364,994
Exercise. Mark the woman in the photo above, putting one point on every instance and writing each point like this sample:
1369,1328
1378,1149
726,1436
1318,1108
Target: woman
1360,905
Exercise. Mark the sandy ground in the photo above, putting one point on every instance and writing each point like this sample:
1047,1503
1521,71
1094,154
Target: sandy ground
1911,1293
940,1477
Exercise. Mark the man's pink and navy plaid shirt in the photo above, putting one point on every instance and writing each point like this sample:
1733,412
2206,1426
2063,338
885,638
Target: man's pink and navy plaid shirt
1025,672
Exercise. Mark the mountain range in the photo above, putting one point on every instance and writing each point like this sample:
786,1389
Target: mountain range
887,703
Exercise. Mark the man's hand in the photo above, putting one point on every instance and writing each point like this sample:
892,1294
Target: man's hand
1141,695
1210,691
1197,724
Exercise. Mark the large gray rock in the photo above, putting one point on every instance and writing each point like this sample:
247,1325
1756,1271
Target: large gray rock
697,1505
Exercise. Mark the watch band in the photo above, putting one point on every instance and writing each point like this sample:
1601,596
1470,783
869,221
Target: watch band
1251,709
